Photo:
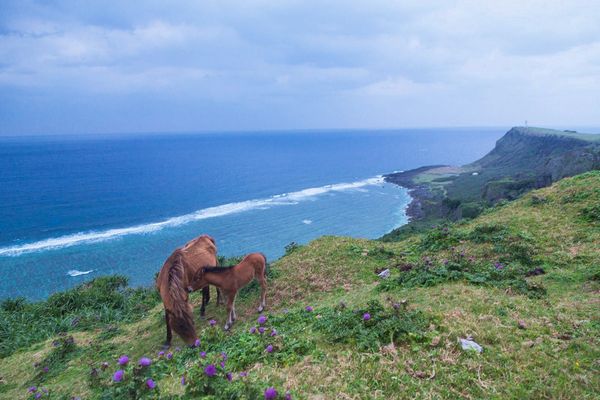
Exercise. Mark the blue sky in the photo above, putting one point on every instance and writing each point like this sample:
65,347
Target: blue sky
154,66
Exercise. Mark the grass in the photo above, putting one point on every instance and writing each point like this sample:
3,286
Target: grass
444,285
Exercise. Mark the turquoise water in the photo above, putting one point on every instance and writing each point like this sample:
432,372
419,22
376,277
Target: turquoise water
78,207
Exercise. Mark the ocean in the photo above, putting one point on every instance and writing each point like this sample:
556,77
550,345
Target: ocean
76,207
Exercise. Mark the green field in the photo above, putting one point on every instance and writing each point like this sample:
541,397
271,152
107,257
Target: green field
540,332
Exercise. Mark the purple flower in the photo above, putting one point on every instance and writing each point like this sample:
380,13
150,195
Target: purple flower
262,319
45,369
177,348
366,316
498,265
210,370
123,360
288,395
269,349
270,393
197,343
32,389
183,380
212,322
145,362
161,353
44,390
308,308
242,374
222,363
261,330
273,332
224,356
169,355
118,376
38,395
229,376
150,383
445,262
253,329
202,354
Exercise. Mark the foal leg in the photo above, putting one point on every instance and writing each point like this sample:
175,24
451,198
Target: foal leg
230,300
263,294
205,300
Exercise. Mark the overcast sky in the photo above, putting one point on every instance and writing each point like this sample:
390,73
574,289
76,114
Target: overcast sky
161,66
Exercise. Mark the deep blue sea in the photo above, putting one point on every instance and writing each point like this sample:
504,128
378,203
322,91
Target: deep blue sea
76,207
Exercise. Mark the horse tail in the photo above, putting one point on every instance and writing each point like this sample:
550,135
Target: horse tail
182,319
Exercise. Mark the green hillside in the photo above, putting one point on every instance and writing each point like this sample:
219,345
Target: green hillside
522,280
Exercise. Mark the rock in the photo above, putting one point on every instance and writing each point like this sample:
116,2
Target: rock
384,274
467,344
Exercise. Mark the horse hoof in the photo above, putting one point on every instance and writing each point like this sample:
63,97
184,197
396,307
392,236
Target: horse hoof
260,309
227,327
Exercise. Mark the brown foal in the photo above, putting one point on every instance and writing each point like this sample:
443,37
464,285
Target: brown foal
231,279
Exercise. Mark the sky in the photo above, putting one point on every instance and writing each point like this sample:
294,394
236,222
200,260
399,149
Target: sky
76,66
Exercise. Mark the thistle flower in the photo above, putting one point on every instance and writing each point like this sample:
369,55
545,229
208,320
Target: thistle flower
288,395
123,360
270,393
262,319
145,362
32,389
212,322
498,265
161,353
224,356
197,343
118,376
261,330
269,349
222,364
229,376
45,369
273,332
308,308
169,355
38,395
210,370
243,373
202,354
150,383
253,330
183,380
366,316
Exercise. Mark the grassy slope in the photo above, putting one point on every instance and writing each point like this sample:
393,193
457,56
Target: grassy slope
556,356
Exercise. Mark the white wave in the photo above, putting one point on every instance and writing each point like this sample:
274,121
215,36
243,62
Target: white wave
307,221
291,198
76,272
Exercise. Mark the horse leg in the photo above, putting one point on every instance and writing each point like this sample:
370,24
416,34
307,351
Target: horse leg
230,300
220,300
263,293
169,333
205,300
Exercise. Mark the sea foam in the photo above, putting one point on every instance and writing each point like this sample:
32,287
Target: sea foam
210,212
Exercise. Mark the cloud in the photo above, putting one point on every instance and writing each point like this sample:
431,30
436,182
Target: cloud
298,64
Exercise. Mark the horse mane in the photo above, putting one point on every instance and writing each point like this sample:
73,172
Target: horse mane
183,322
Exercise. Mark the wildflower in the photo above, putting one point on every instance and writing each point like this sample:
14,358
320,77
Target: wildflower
161,353
229,376
212,322
150,383
270,393
145,361
177,348
261,330
242,374
288,395
32,389
253,330
118,376
183,380
396,306
123,360
222,363
197,343
203,354
45,369
498,265
273,332
45,390
169,355
210,370
224,356
269,349
366,316
38,395
104,365
445,262
308,308
262,319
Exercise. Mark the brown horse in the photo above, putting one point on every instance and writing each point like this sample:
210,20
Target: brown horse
174,281
231,279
